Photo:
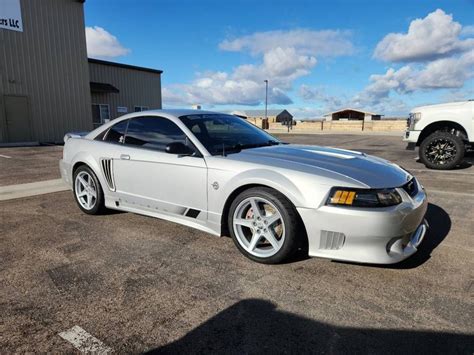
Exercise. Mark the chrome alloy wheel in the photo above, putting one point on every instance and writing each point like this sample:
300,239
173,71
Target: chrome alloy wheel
441,151
259,227
85,190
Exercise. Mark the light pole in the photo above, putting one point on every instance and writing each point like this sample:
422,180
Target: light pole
266,103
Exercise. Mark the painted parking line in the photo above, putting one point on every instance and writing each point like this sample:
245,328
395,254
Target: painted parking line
5,156
84,342
11,192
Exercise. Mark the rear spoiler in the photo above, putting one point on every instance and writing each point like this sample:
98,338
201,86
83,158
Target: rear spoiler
74,135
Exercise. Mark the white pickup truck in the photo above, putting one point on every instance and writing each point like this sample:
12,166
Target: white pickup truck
443,132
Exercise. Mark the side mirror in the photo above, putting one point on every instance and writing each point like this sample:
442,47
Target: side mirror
178,148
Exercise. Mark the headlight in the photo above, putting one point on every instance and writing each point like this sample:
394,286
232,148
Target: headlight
340,196
413,119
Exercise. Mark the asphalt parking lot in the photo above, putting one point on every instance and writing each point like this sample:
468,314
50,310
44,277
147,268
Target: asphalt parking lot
140,284
29,164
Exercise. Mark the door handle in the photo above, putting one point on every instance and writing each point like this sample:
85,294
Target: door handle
125,157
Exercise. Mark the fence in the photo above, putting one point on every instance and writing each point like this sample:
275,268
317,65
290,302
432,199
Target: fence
351,126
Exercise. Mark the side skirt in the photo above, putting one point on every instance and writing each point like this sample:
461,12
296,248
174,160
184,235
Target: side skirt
186,221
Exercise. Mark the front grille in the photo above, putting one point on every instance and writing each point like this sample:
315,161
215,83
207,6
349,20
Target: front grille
331,240
108,173
411,187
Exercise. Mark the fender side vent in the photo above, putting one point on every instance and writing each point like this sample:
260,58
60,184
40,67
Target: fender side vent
331,240
107,165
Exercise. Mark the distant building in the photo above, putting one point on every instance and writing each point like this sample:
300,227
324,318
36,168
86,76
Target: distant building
351,114
284,117
117,89
255,115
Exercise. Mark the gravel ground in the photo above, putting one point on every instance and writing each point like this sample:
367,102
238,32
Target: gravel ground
140,284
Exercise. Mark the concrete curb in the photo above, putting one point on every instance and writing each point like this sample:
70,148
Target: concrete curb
12,192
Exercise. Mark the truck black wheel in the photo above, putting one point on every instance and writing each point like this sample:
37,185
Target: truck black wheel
442,151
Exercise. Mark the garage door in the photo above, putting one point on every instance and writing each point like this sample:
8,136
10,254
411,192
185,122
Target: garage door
17,119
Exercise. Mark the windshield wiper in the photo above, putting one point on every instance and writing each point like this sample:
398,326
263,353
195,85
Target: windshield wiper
236,148
258,145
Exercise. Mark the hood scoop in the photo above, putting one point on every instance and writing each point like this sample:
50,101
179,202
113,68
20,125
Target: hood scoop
331,154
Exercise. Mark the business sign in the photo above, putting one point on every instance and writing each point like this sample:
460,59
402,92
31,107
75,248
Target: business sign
10,15
122,109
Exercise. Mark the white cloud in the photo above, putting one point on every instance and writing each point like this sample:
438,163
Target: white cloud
446,73
282,60
435,36
320,43
437,53
458,95
102,44
319,96
306,112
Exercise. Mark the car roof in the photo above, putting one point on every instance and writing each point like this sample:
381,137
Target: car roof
182,112
176,113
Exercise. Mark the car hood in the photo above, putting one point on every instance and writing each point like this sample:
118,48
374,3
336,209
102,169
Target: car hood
367,170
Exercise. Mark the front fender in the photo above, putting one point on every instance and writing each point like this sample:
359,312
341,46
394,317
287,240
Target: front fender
268,178
228,182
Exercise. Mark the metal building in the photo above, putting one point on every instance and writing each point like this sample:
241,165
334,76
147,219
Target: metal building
44,75
348,114
117,89
47,84
284,117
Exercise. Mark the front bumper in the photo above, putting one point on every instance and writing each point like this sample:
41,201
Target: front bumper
376,236
411,136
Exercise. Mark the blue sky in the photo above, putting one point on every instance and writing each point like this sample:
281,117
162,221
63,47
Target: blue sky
384,56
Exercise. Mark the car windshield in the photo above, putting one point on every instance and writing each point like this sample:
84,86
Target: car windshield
226,134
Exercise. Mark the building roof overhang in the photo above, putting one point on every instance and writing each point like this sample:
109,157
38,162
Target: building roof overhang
103,88
124,66
351,109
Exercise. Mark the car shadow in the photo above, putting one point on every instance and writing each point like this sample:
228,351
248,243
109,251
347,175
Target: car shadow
109,211
439,227
256,326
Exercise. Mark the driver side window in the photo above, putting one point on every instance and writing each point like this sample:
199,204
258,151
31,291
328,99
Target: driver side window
154,133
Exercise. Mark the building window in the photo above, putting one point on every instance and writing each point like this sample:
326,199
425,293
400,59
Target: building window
141,108
100,114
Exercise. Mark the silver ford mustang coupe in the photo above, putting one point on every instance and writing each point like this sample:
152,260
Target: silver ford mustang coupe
220,174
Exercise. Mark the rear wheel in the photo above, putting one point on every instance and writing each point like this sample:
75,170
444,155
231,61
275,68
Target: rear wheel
264,225
442,151
87,191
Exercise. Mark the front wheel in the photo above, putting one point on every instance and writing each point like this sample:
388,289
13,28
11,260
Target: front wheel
442,151
264,225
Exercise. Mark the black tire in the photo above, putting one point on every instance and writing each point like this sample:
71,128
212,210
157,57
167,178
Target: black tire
289,215
99,206
428,150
